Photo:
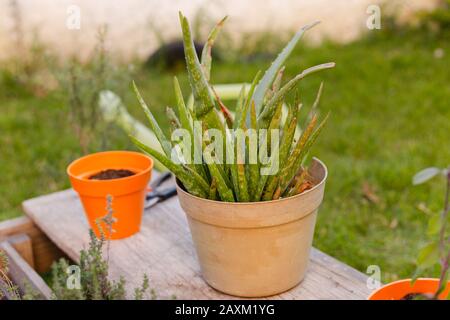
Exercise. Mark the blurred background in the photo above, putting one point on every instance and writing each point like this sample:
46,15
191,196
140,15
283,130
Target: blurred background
389,98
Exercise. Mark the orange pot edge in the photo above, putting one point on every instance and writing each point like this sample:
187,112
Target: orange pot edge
128,194
398,289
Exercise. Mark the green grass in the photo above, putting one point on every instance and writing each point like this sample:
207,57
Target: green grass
389,102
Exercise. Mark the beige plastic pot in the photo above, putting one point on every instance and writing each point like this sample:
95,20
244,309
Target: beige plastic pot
255,249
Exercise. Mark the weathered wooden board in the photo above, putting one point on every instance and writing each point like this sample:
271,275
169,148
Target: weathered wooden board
23,245
44,251
163,249
21,273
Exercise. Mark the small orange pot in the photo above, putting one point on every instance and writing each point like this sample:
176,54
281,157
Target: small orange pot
128,194
398,289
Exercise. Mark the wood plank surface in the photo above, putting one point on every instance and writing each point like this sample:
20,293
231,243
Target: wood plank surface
163,250
22,244
44,251
21,273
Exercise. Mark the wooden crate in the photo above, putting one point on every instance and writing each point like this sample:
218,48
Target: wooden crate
29,251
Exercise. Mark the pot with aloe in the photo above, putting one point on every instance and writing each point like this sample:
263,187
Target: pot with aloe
242,180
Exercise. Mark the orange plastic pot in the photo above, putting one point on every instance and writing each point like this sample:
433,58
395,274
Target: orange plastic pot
128,194
398,289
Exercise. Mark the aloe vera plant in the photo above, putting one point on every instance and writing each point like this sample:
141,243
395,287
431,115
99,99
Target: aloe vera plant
264,151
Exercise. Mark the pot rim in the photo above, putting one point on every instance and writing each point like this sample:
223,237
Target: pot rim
318,185
112,152
397,282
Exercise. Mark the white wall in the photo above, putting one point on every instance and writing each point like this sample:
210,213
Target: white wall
128,20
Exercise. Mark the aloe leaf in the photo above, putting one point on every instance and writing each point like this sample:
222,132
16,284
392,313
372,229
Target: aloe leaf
261,184
213,190
173,119
243,189
277,193
239,107
253,167
271,73
215,167
204,106
288,136
300,179
223,108
270,189
242,116
272,180
317,100
186,123
165,143
269,109
207,48
289,170
185,118
240,163
262,150
286,145
193,182
234,167
226,194
274,124
175,124
298,154
266,185
298,130
113,109
275,86
199,84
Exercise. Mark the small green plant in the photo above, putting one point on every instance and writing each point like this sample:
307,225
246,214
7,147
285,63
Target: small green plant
94,283
437,251
93,272
256,168
437,20
10,290
7,287
83,83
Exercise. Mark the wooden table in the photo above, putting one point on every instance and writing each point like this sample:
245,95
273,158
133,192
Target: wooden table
163,249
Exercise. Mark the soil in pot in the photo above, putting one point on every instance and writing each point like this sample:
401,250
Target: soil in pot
110,174
418,296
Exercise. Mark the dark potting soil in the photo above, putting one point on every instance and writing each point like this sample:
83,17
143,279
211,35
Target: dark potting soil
418,296
109,174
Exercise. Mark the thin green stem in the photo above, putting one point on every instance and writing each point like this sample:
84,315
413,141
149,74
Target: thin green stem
442,242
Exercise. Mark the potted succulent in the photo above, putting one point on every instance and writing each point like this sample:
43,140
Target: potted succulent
117,179
437,251
250,201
